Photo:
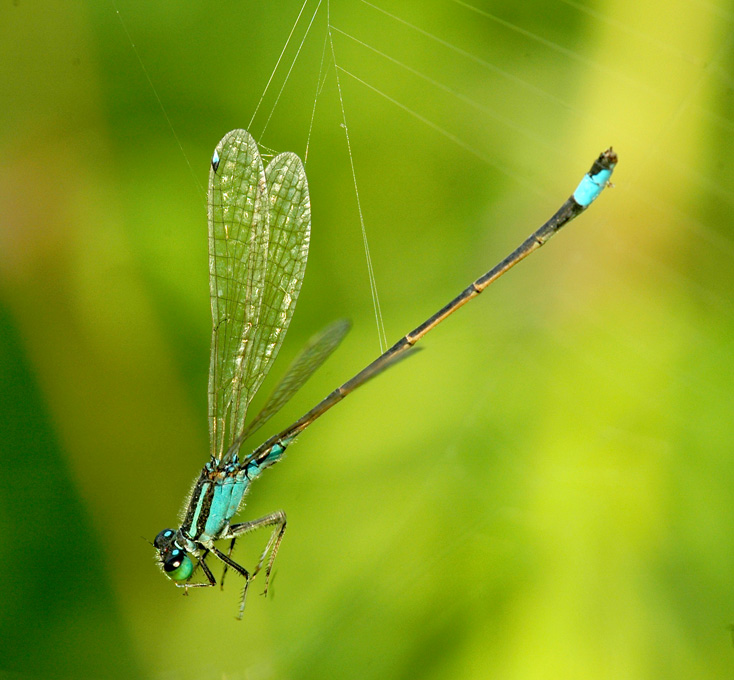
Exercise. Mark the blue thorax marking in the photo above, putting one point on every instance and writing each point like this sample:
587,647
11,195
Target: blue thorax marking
219,491
228,494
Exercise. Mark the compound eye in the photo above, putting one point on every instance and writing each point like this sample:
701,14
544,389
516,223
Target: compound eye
164,538
178,566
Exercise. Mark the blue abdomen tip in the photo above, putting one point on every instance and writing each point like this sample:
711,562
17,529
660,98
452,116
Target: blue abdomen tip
590,187
596,179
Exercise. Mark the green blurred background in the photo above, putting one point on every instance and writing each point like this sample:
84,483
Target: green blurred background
546,491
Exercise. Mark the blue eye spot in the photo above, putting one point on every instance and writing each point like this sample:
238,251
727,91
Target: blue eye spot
164,538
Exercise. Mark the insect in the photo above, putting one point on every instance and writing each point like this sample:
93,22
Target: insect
259,229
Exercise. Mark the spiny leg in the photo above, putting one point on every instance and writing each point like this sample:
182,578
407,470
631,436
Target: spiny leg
229,554
273,546
228,561
206,570
278,519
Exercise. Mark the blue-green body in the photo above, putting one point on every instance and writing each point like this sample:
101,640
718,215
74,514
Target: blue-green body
259,230
218,494
214,500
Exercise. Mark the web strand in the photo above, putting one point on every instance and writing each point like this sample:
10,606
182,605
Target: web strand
277,64
158,99
321,81
293,63
370,271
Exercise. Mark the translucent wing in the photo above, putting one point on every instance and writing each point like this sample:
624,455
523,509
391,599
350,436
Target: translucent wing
315,353
238,249
290,232
259,228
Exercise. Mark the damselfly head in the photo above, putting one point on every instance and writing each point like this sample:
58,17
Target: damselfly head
174,560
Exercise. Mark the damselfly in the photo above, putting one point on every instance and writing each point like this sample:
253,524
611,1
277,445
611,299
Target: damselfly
259,229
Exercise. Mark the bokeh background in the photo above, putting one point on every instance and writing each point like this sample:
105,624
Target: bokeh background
546,491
